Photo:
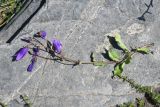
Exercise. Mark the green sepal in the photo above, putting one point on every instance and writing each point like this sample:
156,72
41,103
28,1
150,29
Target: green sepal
113,55
118,69
120,43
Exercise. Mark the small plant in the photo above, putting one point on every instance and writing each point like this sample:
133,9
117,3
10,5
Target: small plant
39,43
54,48
152,95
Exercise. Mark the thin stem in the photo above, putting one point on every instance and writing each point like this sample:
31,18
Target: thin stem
38,42
61,57
77,62
73,63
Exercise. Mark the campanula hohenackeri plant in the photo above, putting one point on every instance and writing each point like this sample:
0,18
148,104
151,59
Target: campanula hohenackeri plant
54,48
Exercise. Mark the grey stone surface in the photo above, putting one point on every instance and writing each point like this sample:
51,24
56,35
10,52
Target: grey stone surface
82,26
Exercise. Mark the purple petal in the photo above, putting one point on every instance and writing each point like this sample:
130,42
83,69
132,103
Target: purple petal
30,67
21,53
57,46
43,34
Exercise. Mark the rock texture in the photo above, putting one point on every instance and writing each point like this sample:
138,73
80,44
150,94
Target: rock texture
82,26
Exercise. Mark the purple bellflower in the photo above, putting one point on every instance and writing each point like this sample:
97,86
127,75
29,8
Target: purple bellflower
20,53
33,60
57,46
41,34
31,65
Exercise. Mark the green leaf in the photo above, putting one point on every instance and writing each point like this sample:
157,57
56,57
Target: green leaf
119,42
143,50
99,63
113,55
118,69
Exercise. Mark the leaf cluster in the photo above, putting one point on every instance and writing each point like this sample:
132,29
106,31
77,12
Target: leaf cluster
120,59
126,59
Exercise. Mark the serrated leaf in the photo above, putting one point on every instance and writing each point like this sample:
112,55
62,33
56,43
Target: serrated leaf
92,57
143,50
113,55
118,69
99,63
119,42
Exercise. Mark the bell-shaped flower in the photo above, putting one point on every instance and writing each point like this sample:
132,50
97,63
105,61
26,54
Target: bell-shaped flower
33,60
57,46
20,53
31,65
41,34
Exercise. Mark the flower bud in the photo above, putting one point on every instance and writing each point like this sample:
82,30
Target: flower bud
57,46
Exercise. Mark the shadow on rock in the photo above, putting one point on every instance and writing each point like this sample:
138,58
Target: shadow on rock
142,17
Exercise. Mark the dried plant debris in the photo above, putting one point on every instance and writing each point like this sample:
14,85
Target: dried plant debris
8,9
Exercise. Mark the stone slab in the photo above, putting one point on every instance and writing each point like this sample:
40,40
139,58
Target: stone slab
82,26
